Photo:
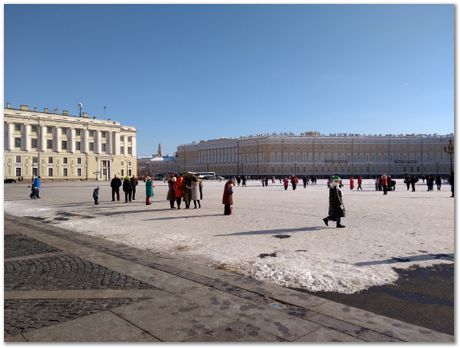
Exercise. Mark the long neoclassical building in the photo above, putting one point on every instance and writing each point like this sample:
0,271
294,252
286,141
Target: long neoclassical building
65,147
314,154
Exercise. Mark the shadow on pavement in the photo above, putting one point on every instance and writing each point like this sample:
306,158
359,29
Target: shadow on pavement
449,257
275,231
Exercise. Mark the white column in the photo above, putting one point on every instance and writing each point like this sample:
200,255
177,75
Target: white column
42,140
116,143
125,145
25,142
57,139
10,139
109,143
85,141
71,139
97,142
133,146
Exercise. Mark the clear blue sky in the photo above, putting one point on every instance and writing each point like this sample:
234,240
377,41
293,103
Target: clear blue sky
190,72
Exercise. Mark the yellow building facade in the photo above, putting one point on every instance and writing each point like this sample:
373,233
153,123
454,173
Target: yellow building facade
320,155
64,147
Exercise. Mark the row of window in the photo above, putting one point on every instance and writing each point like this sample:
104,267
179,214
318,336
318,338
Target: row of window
65,172
49,130
64,160
64,143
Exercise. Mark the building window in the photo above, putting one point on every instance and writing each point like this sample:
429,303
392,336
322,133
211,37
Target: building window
122,163
34,160
129,172
49,130
79,160
78,171
129,163
18,171
64,160
122,138
17,142
103,147
50,171
122,149
17,127
64,171
91,146
64,130
34,143
34,171
91,133
130,150
18,159
49,144
103,134
34,128
78,145
50,160
77,132
64,145
122,172
130,139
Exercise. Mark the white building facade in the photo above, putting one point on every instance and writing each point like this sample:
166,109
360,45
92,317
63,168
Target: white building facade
63,147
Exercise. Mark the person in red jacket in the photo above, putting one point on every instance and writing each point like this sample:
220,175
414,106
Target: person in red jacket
178,189
352,183
360,181
384,183
227,198
285,183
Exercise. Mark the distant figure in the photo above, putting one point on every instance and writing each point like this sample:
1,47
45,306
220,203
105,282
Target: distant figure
115,185
171,196
451,181
179,190
127,189
294,182
148,191
438,182
285,183
196,191
407,181
336,206
263,182
227,199
352,183
360,181
244,181
134,183
378,186
36,188
304,179
384,183
413,180
96,195
430,182
266,181
238,180
187,191
423,178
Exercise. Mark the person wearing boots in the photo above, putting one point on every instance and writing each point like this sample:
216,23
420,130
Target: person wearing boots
336,206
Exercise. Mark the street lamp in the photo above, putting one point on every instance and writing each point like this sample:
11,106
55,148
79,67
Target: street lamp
450,150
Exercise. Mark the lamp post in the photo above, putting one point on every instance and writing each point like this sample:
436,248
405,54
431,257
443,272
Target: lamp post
450,150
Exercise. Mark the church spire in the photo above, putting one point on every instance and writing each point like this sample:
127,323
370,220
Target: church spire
159,154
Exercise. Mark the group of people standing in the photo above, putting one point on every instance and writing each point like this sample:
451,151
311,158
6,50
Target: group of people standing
187,188
128,185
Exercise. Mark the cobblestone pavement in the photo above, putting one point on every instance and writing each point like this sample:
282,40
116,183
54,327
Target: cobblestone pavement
25,315
62,286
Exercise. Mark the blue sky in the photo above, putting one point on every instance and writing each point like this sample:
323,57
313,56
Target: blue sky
181,73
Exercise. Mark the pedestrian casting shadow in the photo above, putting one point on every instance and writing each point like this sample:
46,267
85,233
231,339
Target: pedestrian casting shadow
124,212
275,231
182,217
449,257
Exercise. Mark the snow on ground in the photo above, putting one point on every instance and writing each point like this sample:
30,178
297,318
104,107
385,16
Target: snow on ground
400,230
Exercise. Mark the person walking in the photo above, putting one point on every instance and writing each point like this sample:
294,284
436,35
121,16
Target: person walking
285,183
37,184
178,188
451,181
244,181
196,191
384,183
304,180
294,182
171,196
360,181
407,181
127,189
187,191
96,195
352,183
438,182
115,185
134,183
227,198
263,182
238,180
336,206
148,191
413,180
266,181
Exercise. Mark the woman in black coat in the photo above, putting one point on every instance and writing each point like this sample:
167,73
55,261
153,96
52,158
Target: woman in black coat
127,189
336,206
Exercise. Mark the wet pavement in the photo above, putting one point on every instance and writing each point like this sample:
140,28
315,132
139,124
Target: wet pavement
421,296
